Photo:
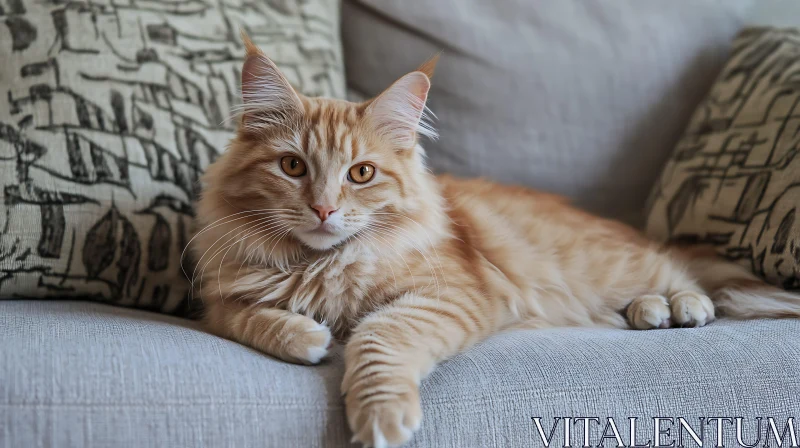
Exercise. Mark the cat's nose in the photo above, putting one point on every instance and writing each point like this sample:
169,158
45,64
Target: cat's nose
323,211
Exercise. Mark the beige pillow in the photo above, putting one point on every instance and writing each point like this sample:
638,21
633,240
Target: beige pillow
734,178
109,113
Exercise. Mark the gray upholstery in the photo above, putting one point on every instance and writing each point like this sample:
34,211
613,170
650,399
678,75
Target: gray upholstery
78,374
585,99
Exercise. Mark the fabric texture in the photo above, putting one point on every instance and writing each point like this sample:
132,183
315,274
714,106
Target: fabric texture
80,374
109,113
584,99
733,180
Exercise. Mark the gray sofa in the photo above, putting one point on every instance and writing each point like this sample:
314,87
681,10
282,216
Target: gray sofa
587,100
88,375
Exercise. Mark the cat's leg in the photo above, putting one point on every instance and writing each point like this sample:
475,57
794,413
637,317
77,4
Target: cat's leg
391,350
285,335
678,300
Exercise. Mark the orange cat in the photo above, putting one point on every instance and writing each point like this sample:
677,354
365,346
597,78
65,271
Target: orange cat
321,219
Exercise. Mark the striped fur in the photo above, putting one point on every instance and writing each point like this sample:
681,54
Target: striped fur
417,268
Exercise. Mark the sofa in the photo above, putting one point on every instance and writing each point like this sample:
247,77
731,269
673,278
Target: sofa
606,90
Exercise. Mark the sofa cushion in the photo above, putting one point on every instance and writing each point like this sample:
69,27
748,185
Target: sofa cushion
733,180
77,374
109,112
585,99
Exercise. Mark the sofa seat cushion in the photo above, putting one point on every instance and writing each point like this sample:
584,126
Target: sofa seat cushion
76,374
80,374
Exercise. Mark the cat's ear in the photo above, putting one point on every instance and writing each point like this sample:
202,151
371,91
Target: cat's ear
267,97
399,113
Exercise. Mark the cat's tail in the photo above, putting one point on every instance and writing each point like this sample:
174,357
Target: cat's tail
737,292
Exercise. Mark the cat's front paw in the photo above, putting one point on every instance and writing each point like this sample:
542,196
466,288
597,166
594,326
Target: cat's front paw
305,340
383,411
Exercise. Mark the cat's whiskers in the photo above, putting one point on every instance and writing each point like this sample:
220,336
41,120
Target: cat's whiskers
264,219
281,230
231,243
207,227
249,253
264,227
280,266
250,233
202,257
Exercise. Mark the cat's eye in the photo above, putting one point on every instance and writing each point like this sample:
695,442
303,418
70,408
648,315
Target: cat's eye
361,173
293,166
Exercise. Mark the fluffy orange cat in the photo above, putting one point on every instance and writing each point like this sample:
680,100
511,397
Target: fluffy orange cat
321,220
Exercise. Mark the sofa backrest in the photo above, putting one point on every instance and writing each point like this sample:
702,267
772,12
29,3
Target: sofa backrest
585,99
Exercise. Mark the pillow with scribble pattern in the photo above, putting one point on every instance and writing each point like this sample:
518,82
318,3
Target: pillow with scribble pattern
109,112
734,179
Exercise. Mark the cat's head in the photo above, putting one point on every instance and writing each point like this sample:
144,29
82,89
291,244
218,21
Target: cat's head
322,170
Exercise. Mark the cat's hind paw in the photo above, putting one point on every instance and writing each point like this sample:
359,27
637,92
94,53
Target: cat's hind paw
682,309
691,309
649,311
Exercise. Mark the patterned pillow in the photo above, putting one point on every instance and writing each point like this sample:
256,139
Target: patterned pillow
734,179
109,112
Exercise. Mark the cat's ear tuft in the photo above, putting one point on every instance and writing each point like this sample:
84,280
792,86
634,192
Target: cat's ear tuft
399,113
250,48
429,66
267,97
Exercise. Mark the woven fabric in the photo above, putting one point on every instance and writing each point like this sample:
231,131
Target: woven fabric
80,374
734,179
583,99
109,113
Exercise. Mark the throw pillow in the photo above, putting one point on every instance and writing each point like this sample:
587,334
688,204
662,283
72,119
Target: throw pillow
109,113
734,178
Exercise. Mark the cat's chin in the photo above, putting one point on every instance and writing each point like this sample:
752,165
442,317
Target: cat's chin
320,240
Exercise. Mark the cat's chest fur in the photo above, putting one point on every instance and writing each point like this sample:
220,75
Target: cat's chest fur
333,288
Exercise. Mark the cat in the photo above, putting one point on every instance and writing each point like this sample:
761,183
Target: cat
322,222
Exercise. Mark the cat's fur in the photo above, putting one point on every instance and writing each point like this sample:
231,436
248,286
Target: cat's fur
415,268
